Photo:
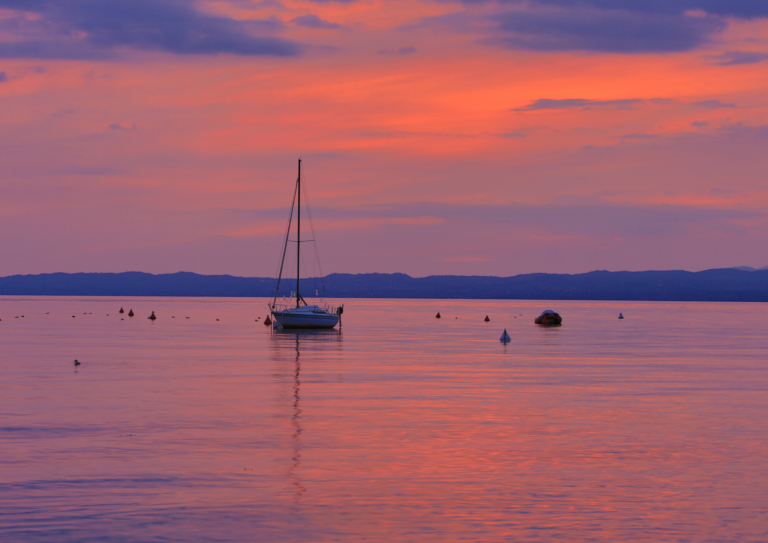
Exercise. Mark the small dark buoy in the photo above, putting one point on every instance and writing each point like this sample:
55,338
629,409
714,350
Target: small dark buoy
438,315
122,319
76,362
487,319
130,313
217,320
22,316
152,316
621,316
121,310
173,317
267,321
505,337
187,317
72,317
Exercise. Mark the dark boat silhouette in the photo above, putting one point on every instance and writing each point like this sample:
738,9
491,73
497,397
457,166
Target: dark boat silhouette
549,317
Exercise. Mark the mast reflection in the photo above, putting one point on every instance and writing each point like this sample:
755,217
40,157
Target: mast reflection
296,422
293,341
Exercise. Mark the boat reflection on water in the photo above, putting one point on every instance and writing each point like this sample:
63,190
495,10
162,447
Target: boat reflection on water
288,346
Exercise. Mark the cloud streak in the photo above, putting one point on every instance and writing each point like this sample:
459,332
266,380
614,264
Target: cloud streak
735,58
581,103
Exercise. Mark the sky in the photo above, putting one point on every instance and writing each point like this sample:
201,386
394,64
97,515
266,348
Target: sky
438,137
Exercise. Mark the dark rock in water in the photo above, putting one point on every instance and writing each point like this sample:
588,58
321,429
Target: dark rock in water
549,318
76,362
121,310
130,313
438,315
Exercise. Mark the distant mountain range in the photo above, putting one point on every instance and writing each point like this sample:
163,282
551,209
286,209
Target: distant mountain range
750,268
727,285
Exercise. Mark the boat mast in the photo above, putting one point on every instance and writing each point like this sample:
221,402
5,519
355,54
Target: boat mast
298,235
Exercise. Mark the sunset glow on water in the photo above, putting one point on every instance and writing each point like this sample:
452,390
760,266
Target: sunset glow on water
400,427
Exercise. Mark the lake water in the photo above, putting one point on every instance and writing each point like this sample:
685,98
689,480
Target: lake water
401,427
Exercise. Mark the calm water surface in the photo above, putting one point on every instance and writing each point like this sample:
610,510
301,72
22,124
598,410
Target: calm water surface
400,428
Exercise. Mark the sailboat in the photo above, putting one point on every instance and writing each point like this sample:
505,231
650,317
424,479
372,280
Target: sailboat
302,315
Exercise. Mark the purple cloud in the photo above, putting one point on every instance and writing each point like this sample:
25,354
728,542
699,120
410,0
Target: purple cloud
313,21
742,9
713,104
601,30
88,29
401,51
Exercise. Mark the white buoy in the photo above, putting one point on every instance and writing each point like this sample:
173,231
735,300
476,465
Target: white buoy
277,326
505,337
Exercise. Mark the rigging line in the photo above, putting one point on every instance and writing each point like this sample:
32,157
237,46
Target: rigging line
285,247
312,227
316,260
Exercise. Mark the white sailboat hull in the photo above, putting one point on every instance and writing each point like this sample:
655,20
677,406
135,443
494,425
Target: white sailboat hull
306,318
